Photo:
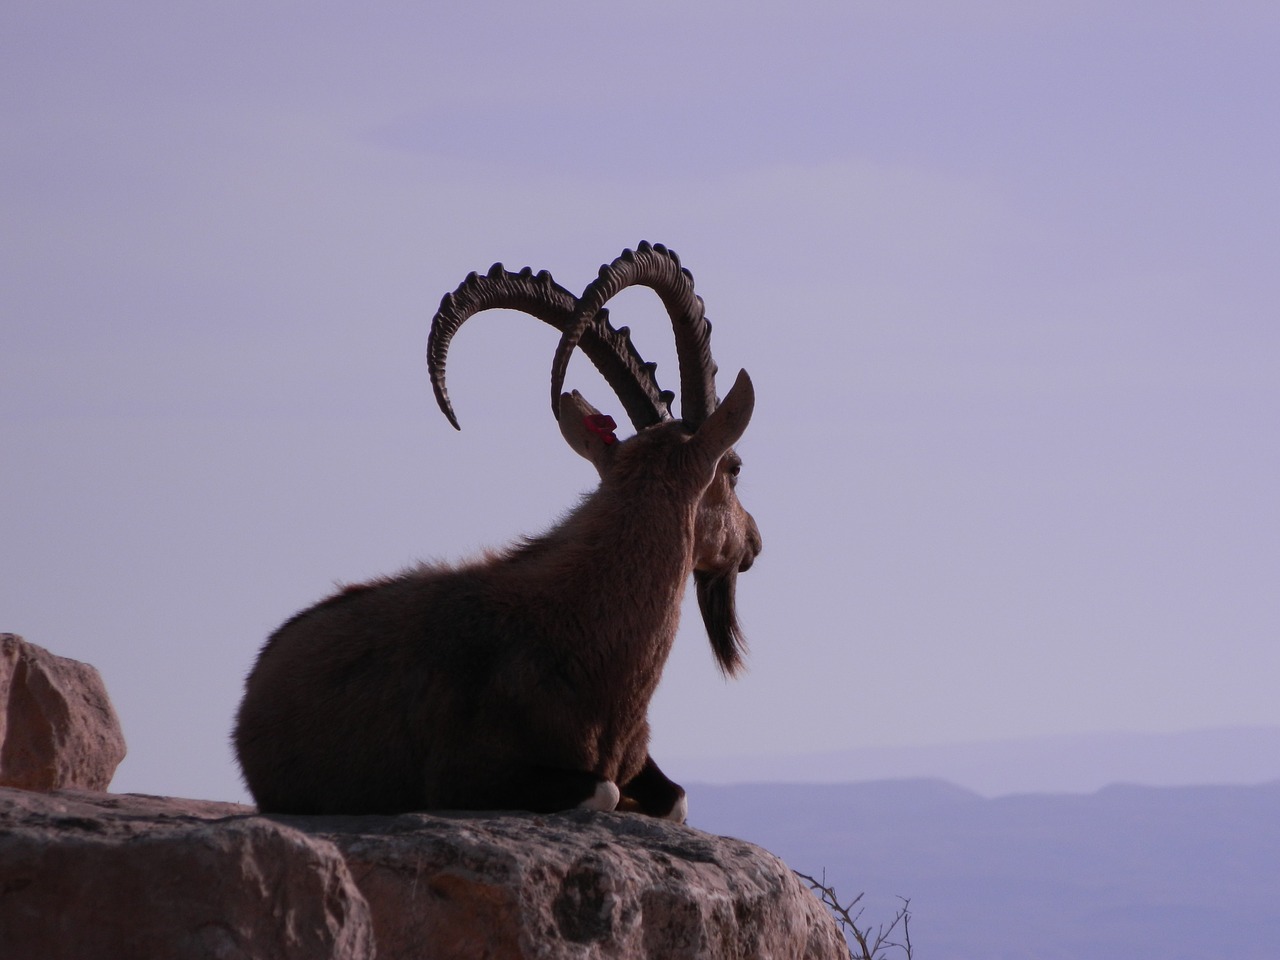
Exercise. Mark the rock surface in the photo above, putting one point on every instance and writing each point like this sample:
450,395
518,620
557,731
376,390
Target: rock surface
57,727
85,874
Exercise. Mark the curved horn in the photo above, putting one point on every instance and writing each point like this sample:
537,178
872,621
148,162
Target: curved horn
537,294
656,267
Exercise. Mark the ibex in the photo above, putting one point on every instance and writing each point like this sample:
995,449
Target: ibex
522,680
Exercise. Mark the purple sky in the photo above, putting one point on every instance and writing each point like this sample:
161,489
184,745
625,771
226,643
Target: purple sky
1006,281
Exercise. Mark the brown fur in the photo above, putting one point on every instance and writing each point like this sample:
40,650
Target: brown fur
521,680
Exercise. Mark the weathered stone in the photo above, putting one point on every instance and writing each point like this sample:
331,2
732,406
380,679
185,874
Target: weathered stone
94,875
57,727
579,885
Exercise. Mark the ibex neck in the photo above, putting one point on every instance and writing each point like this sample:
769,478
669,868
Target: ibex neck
623,571
640,557
635,583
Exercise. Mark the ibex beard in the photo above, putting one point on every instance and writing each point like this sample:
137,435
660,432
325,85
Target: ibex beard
522,680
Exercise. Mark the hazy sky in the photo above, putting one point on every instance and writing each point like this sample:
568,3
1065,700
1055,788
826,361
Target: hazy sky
1005,276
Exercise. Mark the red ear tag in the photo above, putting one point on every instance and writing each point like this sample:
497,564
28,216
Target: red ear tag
602,425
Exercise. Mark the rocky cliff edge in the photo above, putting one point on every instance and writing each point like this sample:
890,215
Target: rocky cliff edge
90,874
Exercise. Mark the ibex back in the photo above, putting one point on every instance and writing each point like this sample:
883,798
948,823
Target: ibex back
522,680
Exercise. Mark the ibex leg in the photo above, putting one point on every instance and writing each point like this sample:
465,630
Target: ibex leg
550,790
651,792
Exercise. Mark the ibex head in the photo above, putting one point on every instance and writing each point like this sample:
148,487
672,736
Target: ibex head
726,539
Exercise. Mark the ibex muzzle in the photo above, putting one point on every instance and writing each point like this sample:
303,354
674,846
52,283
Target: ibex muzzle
522,680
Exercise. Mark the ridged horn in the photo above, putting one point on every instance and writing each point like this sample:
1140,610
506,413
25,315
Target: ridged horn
540,296
656,267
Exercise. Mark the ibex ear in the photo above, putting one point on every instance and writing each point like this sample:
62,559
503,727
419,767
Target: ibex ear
587,430
728,422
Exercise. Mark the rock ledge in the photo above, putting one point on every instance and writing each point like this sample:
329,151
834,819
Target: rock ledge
86,874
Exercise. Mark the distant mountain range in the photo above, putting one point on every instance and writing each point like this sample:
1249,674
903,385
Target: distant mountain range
1064,764
1124,873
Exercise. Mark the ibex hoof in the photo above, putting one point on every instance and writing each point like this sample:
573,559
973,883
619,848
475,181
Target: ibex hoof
605,798
680,812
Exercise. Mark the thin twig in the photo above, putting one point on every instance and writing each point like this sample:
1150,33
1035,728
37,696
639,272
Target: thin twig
872,948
